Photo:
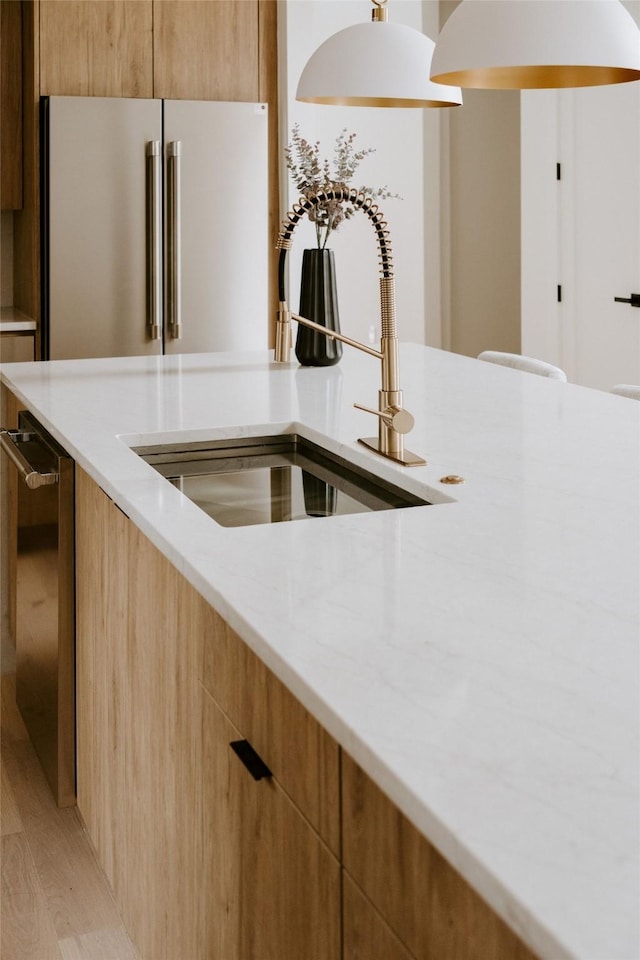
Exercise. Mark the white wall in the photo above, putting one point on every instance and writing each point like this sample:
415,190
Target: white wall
481,187
406,160
484,180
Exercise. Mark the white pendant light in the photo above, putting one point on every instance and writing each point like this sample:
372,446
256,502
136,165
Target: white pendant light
520,44
376,64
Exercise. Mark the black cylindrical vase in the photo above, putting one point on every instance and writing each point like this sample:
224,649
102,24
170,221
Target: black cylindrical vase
318,302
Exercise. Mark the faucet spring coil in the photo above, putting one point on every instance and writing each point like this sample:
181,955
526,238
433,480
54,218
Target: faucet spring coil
387,307
362,202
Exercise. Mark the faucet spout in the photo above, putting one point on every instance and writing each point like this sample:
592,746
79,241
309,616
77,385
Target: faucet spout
392,425
334,335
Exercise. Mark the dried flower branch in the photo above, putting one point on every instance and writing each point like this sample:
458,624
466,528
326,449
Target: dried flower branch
311,175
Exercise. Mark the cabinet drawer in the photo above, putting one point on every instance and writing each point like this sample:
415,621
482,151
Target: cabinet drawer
366,935
271,886
434,912
301,755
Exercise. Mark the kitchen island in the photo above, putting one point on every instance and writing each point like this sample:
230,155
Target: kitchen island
478,658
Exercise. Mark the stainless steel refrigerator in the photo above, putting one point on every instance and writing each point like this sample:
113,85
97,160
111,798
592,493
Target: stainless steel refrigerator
155,226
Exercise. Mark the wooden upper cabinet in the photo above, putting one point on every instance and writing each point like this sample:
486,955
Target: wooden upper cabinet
206,51
11,105
173,49
90,49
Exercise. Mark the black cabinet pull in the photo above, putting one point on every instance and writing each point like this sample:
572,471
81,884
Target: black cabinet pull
634,299
254,763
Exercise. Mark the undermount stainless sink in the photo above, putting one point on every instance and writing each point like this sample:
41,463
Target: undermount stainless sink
271,479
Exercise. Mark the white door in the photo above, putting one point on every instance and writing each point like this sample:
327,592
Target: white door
601,219
581,232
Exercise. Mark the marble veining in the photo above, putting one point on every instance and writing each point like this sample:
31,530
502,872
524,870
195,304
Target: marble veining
480,658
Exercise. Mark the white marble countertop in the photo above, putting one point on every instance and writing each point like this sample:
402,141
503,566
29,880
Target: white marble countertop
479,658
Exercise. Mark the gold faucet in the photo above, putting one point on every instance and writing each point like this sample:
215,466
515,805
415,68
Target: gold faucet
393,420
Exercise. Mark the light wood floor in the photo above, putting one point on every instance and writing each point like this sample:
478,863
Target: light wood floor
55,901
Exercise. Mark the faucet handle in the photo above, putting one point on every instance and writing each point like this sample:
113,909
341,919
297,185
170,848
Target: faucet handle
398,419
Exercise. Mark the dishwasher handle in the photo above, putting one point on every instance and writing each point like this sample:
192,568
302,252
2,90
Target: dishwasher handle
9,443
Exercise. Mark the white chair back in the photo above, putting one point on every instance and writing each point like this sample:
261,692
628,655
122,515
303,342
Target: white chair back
528,364
627,390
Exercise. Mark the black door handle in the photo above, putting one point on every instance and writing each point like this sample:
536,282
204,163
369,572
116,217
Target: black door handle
634,299
252,761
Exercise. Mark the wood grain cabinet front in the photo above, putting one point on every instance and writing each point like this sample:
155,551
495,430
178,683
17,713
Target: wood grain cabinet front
198,48
89,49
204,861
274,886
172,49
278,885
10,105
303,757
139,705
366,934
426,903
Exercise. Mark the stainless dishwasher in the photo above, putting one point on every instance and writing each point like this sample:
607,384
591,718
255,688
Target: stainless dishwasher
45,599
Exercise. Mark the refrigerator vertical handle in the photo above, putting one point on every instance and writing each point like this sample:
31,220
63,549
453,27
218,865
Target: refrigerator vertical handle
174,151
154,238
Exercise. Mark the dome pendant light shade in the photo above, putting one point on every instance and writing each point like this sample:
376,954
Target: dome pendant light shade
377,64
522,44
